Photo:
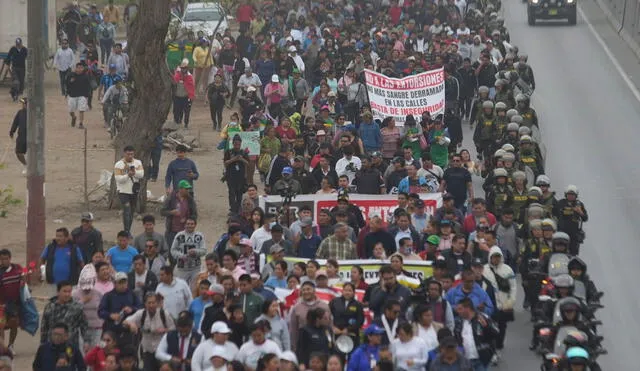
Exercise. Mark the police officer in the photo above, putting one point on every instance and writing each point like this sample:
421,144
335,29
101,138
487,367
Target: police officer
476,110
504,94
520,196
484,132
528,156
571,213
529,115
511,135
533,247
548,199
501,121
500,195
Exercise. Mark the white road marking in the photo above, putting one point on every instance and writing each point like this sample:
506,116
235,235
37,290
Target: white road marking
609,54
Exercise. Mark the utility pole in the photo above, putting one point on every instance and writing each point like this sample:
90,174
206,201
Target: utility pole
36,229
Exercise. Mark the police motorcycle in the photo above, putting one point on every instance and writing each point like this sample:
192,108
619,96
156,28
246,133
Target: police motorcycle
570,327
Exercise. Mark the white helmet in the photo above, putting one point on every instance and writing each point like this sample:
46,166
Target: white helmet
543,180
571,189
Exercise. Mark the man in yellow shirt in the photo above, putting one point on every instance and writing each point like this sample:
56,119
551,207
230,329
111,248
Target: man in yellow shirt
112,13
202,60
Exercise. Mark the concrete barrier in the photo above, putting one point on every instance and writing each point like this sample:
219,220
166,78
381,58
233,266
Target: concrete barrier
624,16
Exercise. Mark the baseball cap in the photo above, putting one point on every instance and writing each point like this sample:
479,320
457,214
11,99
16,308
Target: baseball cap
419,204
376,154
18,41
306,221
398,160
255,276
373,330
112,66
246,242
121,276
321,132
220,328
275,78
287,170
298,158
184,184
321,272
447,196
86,216
289,356
293,49
433,239
445,222
477,262
251,88
216,289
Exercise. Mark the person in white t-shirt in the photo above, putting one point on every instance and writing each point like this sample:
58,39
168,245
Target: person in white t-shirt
128,172
349,164
261,235
409,351
251,351
175,292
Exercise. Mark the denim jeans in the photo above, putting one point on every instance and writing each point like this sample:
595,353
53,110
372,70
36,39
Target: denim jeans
128,202
478,365
154,166
63,81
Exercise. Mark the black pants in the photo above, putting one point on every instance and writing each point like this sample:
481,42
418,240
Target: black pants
244,26
150,361
154,166
502,326
105,50
465,106
236,189
63,81
181,109
275,110
128,203
216,108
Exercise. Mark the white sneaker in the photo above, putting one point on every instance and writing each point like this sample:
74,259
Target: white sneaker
24,172
496,358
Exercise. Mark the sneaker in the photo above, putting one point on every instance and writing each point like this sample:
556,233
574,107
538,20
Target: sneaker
11,351
73,122
24,172
81,126
496,358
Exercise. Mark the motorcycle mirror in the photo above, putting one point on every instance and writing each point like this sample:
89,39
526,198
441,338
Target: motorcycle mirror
596,323
551,357
600,294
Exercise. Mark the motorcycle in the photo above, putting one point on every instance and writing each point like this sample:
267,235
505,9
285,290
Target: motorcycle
567,337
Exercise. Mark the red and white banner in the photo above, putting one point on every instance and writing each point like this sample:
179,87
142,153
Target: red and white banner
383,205
411,95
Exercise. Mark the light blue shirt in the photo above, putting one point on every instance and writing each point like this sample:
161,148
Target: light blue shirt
122,260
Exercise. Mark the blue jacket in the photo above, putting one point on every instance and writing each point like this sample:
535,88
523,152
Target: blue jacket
403,186
361,358
113,302
478,296
178,170
370,135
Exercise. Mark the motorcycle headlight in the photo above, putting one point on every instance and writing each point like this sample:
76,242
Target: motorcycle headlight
570,1
535,1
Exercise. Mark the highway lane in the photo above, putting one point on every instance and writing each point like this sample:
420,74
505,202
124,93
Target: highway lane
588,118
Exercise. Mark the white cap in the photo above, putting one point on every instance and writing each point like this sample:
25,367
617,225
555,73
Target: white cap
184,63
219,351
275,78
220,328
293,49
289,356
251,88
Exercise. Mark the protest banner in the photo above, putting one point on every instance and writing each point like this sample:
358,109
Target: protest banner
383,205
417,269
411,95
250,142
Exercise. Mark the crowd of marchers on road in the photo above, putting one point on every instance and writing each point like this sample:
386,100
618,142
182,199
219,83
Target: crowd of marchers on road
296,71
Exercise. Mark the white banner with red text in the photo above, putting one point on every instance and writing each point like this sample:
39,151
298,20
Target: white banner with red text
411,95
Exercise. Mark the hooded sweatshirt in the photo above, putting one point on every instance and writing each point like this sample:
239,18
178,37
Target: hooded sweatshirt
504,300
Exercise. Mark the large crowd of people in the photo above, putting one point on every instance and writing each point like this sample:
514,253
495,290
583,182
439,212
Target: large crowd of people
256,298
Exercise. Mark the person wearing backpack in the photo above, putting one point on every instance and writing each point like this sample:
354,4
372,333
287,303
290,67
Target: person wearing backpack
150,324
106,33
117,305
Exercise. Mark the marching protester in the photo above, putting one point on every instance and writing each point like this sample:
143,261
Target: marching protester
336,179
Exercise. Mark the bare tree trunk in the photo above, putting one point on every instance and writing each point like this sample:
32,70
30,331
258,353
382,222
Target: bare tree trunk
150,88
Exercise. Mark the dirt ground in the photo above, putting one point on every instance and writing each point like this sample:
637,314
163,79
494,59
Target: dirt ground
65,179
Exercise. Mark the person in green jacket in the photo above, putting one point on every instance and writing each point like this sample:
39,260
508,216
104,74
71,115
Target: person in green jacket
439,143
412,136
250,302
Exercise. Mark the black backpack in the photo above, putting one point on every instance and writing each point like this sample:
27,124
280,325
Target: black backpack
163,318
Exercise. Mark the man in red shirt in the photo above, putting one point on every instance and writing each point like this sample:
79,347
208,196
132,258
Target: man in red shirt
11,280
395,12
478,210
244,15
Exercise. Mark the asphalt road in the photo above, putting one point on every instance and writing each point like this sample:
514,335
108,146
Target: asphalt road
588,117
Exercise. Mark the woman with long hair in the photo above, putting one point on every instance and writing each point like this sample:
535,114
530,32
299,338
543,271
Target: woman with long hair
315,336
96,358
279,329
